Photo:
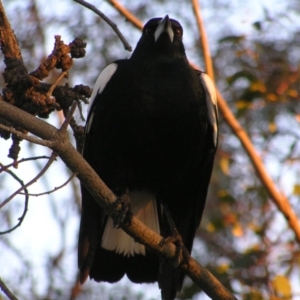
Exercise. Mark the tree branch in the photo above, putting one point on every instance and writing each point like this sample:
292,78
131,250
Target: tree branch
279,200
105,198
108,21
9,43
23,187
5,289
26,137
6,167
127,14
53,190
203,39
43,171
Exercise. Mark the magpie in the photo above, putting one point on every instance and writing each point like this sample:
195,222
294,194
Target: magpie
151,135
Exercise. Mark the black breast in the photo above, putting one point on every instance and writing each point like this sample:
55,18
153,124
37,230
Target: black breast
151,129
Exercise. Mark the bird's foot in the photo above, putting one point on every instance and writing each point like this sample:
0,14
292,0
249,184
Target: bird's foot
182,253
124,216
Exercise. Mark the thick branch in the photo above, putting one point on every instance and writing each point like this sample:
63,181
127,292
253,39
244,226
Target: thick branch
9,43
279,200
105,198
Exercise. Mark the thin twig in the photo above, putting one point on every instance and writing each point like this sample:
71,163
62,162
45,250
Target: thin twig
24,136
203,39
46,167
127,14
55,189
54,85
280,200
65,124
21,219
108,21
4,168
6,291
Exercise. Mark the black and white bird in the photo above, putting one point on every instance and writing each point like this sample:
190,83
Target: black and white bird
151,134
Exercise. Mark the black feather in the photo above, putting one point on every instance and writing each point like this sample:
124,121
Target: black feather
149,130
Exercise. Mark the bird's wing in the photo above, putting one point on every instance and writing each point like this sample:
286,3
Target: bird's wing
171,280
100,84
92,215
211,103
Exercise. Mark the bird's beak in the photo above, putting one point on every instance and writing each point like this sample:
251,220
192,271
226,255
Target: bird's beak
164,26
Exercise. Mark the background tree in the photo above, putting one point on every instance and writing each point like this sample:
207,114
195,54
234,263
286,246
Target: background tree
243,238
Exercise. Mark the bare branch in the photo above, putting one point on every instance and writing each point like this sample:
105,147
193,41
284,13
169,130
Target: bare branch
43,171
55,189
54,85
108,21
279,200
127,14
4,168
203,39
23,187
6,291
105,197
65,124
24,136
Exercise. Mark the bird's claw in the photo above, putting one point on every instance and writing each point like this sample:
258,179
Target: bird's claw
182,254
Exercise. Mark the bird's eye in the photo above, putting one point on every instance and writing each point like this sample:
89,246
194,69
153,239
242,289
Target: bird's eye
178,32
148,31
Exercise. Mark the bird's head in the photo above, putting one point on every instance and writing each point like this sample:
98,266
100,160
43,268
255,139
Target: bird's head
161,37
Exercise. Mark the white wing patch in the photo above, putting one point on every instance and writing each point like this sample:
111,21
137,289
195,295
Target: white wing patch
144,208
99,86
211,101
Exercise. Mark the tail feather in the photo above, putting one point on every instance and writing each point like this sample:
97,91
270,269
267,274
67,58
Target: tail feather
144,208
117,253
170,280
111,267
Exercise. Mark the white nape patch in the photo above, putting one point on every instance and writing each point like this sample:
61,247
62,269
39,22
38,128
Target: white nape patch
102,81
143,205
211,101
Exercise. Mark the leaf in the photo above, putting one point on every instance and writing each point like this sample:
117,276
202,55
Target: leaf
293,93
222,268
210,227
242,104
241,74
258,87
272,127
296,190
224,164
271,97
237,230
257,25
232,38
282,287
253,295
225,196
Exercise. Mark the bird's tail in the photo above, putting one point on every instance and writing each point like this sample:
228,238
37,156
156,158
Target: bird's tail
144,208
